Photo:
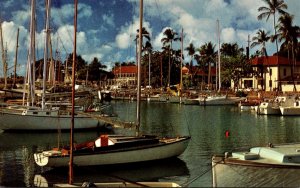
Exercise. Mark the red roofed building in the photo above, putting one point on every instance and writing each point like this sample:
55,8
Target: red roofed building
125,75
276,72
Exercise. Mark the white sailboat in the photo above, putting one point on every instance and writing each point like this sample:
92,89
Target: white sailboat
115,149
31,117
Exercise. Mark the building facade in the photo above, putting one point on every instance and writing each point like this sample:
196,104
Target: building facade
273,73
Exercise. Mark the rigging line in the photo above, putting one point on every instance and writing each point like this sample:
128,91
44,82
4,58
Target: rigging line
200,175
60,15
159,14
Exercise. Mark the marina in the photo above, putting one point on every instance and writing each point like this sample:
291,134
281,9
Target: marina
206,126
130,103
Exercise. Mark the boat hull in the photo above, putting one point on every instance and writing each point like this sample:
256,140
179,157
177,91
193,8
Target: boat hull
290,111
21,121
120,156
230,174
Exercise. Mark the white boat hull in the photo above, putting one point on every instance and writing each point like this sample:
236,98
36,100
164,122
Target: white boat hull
222,100
270,166
44,120
230,175
267,108
290,111
120,156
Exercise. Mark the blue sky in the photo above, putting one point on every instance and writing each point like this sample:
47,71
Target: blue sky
107,28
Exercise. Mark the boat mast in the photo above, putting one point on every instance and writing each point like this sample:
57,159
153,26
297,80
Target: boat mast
16,59
73,96
30,60
181,62
46,51
138,97
3,58
219,56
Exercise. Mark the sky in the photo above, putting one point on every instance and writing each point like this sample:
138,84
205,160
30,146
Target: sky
107,28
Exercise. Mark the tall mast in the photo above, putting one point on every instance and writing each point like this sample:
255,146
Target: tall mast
3,57
181,62
219,56
30,61
138,113
16,59
46,50
73,96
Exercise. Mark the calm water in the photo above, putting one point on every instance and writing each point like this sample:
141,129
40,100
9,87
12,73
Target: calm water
206,126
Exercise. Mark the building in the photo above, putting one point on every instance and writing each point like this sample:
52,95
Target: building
125,76
273,73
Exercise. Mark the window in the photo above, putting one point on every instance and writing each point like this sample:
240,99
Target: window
284,72
270,83
270,72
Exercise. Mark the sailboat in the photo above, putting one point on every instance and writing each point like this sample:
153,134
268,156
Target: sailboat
34,118
116,149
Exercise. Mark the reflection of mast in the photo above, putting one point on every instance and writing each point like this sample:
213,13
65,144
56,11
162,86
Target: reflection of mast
16,59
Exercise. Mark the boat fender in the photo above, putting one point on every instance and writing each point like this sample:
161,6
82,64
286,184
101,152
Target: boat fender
270,145
227,155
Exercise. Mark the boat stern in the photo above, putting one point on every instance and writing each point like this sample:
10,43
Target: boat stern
41,159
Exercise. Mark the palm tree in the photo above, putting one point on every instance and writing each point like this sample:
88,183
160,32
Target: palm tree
148,48
208,54
260,40
272,7
170,36
191,51
289,34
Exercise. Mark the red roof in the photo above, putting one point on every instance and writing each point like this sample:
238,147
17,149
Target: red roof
270,61
125,69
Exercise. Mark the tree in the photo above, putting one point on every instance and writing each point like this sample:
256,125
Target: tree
207,55
96,71
272,7
260,39
170,36
289,34
81,66
191,52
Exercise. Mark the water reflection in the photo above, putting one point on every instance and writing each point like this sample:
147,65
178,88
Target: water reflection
151,171
206,126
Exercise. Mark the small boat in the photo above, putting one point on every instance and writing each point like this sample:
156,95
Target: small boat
114,149
291,106
270,107
249,105
219,100
270,166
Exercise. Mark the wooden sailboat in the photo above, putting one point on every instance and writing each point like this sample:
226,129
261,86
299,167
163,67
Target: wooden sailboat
115,149
35,118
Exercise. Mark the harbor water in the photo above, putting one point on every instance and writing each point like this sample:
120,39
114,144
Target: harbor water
213,130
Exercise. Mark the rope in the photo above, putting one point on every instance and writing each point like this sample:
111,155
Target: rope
200,175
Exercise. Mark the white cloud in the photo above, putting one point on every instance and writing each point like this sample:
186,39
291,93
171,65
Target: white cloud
228,35
123,40
109,19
